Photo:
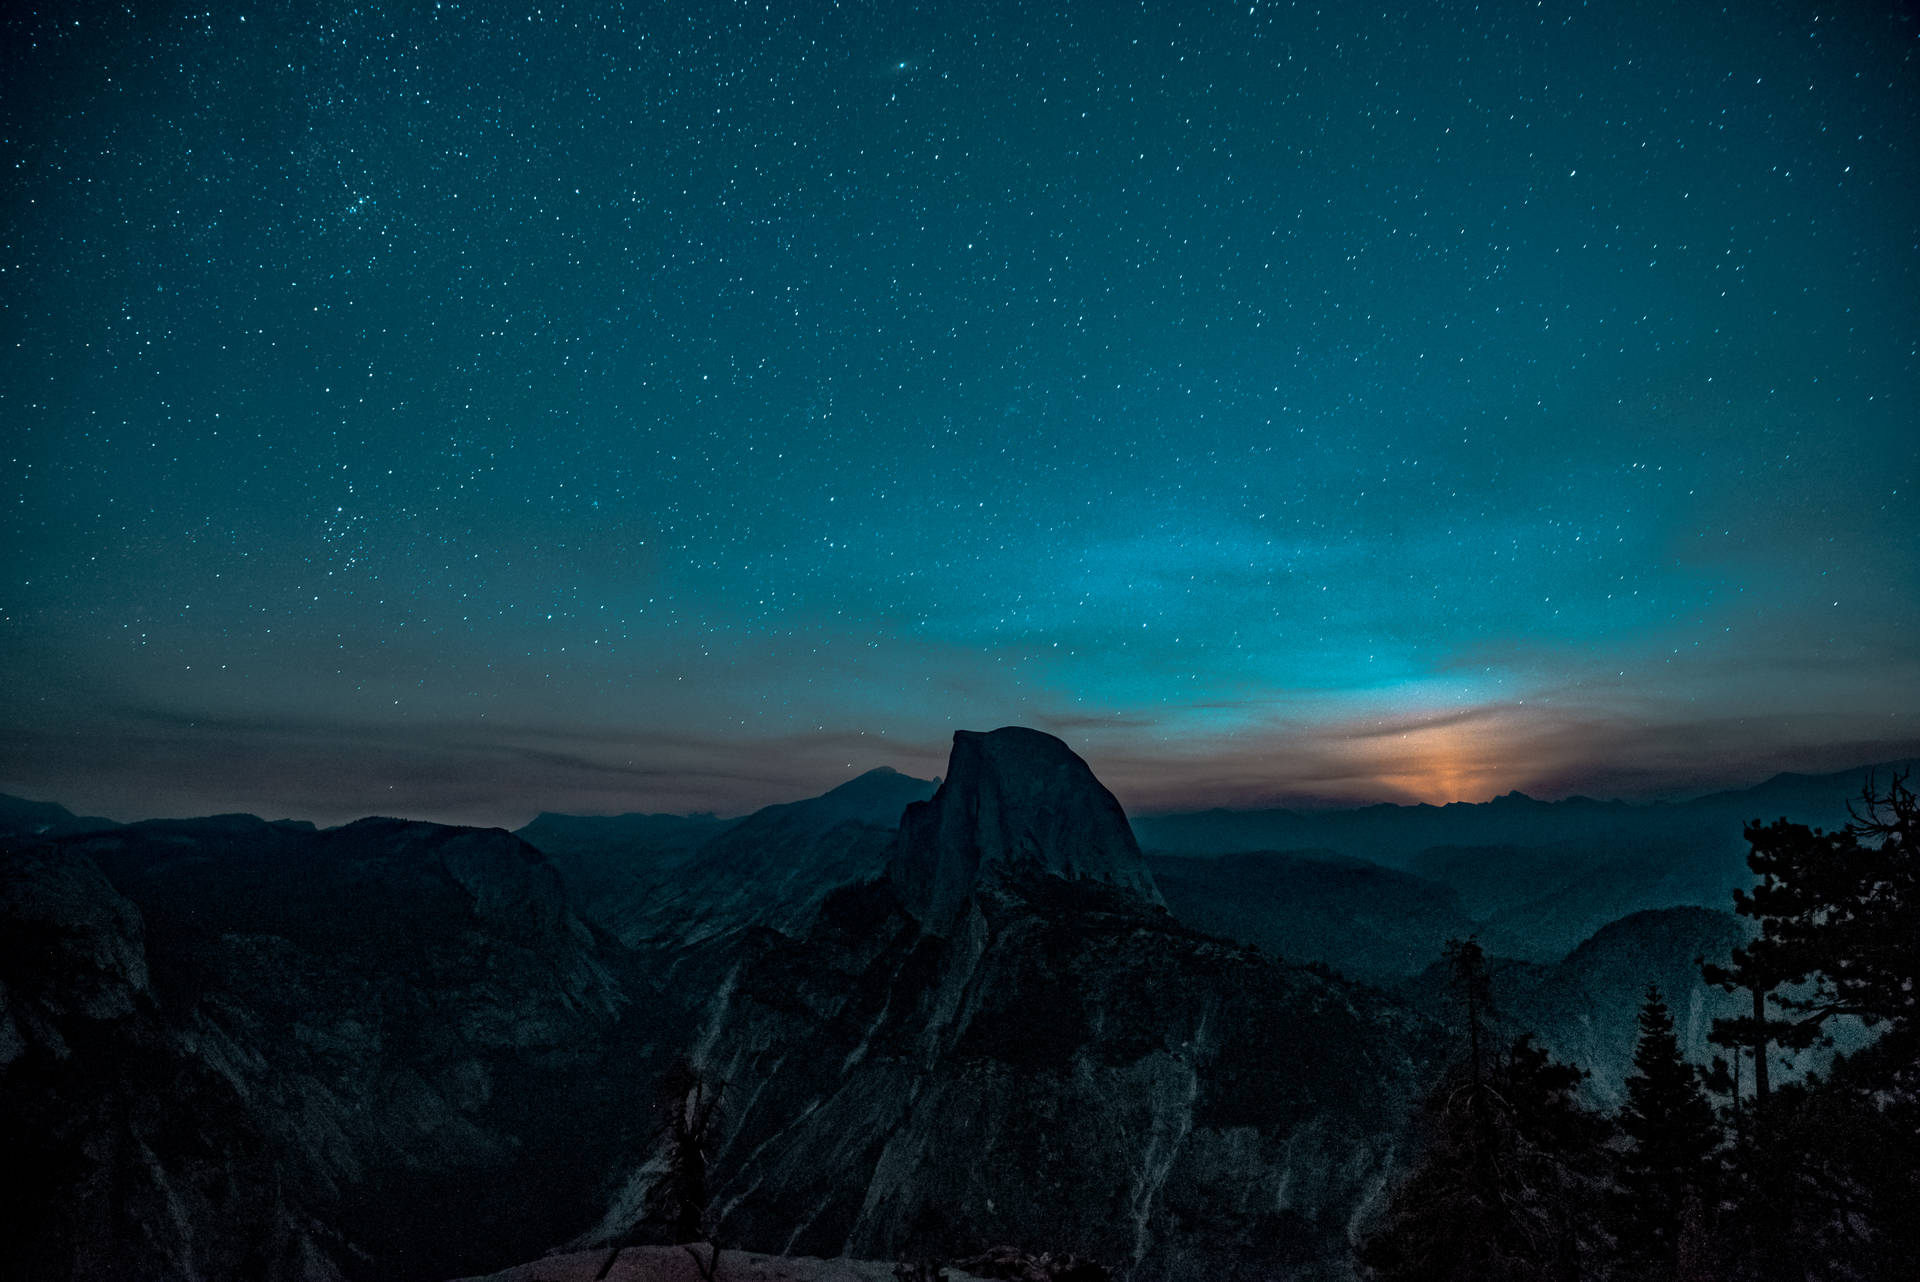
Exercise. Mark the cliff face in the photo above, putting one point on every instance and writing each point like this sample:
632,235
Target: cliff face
1014,801
249,1049
1007,1039
130,1155
1066,1068
1585,1007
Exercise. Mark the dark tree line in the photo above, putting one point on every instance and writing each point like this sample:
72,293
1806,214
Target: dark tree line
1809,1180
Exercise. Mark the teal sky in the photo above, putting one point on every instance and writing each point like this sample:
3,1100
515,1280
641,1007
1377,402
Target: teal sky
468,410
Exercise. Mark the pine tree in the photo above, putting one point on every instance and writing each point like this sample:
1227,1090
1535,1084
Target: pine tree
1840,909
1825,1180
689,1105
1667,1172
1843,908
1473,989
1506,1185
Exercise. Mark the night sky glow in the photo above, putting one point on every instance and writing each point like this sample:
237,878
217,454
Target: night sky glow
462,410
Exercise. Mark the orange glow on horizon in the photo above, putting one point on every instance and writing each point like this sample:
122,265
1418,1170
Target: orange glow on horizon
1436,757
1438,764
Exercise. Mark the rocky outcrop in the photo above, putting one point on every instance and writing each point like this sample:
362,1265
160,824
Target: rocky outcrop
1066,1069
242,1049
129,1155
688,1264
1007,1040
1584,1008
1014,801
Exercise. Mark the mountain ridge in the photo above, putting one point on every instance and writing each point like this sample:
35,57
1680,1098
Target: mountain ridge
1828,791
1394,834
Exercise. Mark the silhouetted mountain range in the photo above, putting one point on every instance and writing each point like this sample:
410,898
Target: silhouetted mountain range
230,1047
22,818
1533,878
1394,835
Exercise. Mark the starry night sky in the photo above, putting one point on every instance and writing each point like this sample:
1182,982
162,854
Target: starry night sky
464,410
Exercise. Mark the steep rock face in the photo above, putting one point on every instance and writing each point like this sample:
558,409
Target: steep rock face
678,1264
1007,1039
1014,800
1585,1007
70,931
129,1156
369,1029
1067,1068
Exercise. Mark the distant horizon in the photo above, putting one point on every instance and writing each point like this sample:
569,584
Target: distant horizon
1810,763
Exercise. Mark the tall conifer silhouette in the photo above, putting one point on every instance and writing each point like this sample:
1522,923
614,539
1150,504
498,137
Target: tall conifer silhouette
1666,1174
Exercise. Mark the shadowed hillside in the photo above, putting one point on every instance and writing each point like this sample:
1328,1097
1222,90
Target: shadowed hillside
253,1049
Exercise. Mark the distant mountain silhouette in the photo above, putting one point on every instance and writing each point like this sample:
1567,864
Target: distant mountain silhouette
610,860
556,833
773,868
1394,835
22,818
1538,902
1534,878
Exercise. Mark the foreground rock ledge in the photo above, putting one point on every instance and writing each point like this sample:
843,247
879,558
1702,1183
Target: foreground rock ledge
673,1264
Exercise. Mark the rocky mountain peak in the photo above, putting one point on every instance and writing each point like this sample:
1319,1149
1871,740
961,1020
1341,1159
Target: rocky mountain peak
1014,799
876,797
